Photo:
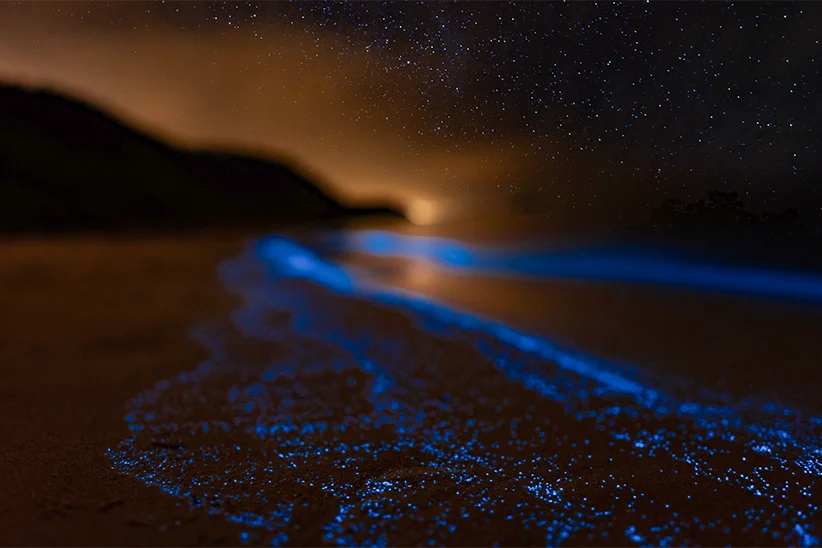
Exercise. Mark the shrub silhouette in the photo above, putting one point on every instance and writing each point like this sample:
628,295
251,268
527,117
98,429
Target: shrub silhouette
721,214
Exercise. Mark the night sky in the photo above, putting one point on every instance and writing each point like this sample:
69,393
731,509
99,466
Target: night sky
595,109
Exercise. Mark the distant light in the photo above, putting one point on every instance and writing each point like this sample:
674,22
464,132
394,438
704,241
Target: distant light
422,212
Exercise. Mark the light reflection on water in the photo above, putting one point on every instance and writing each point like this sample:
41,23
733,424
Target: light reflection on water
390,419
610,263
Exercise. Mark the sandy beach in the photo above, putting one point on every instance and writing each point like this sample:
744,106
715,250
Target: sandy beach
201,391
86,325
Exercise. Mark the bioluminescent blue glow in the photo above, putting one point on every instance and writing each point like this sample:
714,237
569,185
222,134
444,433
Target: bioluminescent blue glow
603,263
334,411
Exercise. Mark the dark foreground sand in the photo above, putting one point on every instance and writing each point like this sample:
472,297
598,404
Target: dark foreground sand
86,325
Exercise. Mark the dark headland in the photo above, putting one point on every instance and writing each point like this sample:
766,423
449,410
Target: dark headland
66,167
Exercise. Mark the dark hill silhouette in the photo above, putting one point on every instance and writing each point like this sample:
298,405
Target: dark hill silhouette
67,166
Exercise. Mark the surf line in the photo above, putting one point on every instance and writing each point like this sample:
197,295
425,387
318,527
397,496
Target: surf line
610,263
287,258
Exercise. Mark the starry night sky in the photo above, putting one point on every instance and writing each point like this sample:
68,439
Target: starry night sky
595,108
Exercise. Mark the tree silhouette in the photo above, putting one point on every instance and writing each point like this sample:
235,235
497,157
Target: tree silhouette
721,213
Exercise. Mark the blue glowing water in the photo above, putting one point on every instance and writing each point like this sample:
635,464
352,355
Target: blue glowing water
610,263
334,411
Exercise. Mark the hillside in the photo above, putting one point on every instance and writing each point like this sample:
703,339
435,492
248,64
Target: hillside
66,166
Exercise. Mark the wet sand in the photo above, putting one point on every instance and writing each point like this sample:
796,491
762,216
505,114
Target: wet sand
744,345
86,325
